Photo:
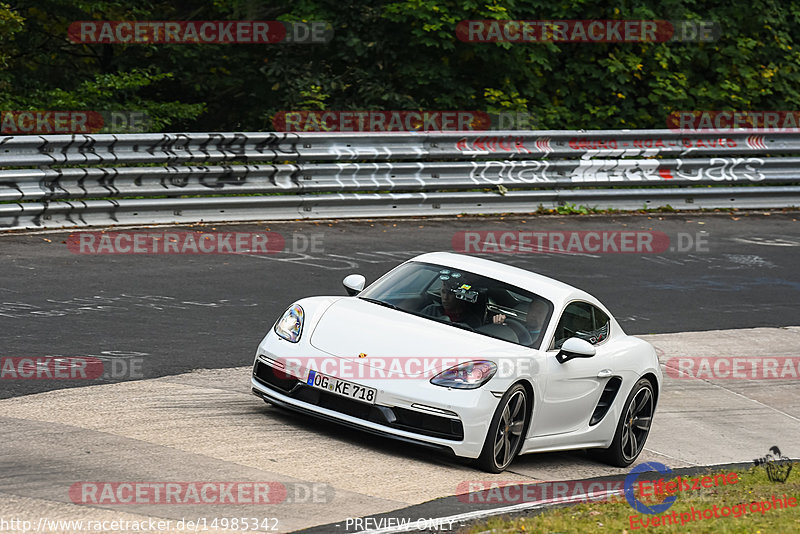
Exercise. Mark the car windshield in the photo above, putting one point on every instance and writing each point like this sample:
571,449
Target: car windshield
464,300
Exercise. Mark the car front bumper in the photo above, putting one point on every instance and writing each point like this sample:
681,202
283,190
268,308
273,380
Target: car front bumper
409,409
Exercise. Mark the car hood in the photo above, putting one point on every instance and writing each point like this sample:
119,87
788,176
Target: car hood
351,327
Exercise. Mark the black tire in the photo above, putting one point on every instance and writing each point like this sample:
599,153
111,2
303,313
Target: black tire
507,431
632,428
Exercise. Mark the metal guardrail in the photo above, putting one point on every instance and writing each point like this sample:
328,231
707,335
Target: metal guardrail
82,180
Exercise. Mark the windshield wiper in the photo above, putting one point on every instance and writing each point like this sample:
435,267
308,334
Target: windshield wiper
381,303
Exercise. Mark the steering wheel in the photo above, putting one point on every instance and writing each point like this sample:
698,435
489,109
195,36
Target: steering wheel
522,333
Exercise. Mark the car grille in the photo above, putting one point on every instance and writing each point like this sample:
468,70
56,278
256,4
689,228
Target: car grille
430,425
399,418
606,399
275,378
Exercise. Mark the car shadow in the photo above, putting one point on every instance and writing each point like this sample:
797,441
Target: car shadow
364,439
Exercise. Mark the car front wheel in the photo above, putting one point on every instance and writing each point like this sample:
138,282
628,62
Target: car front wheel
507,431
633,427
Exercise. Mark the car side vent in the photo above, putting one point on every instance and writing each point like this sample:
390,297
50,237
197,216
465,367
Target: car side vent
606,399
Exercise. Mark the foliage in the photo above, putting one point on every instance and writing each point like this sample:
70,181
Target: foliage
401,55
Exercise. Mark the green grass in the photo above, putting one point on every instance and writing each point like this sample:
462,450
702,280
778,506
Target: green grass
613,515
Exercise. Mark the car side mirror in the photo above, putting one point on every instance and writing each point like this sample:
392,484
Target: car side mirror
354,283
575,347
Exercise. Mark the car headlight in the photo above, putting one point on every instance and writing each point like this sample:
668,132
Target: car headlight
290,325
467,375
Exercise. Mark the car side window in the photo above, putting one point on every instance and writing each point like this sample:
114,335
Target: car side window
584,321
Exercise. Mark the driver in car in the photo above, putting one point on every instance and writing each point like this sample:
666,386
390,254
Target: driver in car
452,308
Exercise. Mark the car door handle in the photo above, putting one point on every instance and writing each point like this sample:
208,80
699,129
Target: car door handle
604,373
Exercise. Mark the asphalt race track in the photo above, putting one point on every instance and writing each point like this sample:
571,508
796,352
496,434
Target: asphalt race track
176,335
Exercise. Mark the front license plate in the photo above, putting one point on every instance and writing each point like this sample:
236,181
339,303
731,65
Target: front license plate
341,387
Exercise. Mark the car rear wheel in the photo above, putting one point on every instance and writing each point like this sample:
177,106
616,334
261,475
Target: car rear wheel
633,427
507,431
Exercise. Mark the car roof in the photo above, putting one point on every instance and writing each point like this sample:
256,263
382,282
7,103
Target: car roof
557,292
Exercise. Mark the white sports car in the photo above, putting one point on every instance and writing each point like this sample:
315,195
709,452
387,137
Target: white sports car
469,356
